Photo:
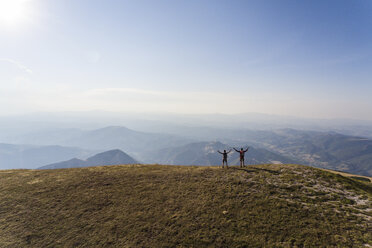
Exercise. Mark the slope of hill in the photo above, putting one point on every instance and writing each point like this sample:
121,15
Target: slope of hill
205,153
180,206
72,163
30,156
112,157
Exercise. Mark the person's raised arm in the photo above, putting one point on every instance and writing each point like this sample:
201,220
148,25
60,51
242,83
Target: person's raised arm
219,152
229,151
247,149
236,150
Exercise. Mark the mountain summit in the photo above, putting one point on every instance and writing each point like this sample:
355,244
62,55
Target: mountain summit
112,157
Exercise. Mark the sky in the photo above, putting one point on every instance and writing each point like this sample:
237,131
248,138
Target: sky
284,57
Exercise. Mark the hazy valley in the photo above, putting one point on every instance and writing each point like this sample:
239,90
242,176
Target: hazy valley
172,143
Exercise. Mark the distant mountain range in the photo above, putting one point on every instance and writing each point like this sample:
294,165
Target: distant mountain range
320,149
113,137
112,157
11,126
31,156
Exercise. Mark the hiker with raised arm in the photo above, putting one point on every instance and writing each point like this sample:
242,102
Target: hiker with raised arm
224,157
242,153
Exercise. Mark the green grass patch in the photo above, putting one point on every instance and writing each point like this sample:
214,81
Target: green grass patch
361,179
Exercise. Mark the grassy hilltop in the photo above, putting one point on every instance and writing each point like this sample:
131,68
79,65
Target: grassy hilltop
174,206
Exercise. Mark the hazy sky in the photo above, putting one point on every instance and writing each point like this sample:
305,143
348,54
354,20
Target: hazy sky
301,58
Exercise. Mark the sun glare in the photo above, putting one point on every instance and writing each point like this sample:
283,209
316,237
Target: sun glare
12,11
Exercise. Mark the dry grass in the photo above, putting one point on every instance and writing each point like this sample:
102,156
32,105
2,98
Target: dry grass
175,206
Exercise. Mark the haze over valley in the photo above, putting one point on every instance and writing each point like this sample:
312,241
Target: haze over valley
185,140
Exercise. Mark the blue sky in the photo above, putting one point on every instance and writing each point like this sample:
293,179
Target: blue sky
300,58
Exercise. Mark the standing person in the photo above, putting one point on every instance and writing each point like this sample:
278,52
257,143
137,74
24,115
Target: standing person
242,153
224,157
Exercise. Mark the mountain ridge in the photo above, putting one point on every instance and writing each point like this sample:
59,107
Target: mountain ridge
14,156
111,157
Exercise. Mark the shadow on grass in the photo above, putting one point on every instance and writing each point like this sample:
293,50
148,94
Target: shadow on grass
246,170
255,169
